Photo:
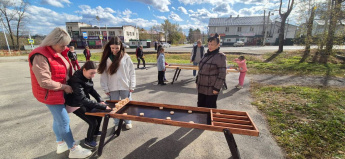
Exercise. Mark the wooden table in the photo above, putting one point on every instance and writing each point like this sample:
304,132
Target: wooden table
178,69
226,121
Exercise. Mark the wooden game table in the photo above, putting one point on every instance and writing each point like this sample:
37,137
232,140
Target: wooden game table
178,69
226,121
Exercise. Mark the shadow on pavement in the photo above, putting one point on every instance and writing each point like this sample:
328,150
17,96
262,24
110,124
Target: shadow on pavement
167,148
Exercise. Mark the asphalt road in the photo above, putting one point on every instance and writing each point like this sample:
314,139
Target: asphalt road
26,125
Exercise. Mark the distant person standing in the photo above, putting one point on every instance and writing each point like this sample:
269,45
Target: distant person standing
156,45
211,75
72,55
242,67
161,66
140,55
87,53
197,54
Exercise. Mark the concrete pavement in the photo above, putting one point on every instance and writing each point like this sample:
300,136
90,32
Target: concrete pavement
26,125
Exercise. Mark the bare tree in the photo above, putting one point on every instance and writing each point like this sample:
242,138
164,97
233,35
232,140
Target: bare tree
308,38
335,8
12,15
283,17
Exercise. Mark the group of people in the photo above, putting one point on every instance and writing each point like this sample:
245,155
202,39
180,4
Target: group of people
54,85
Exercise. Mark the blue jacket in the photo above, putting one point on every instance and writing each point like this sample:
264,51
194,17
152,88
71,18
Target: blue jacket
161,62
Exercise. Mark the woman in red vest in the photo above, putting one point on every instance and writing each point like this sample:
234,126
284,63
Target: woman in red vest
49,70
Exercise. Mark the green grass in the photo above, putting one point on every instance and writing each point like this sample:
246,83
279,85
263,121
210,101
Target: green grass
287,63
306,122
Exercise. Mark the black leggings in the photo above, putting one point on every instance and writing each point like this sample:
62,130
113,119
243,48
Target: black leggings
208,101
93,121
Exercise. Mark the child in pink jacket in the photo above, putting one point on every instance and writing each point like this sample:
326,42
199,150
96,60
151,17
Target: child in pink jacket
242,67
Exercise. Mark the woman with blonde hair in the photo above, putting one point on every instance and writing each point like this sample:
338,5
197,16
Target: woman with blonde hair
117,73
49,70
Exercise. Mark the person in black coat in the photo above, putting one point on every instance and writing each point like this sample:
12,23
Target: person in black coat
82,85
140,55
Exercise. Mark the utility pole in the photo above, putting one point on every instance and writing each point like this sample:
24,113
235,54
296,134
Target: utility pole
3,29
264,29
265,34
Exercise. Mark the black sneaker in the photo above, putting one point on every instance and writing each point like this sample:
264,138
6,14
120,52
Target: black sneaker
163,84
91,144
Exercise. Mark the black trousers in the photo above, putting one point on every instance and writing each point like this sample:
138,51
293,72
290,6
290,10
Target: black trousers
139,61
93,121
160,77
208,101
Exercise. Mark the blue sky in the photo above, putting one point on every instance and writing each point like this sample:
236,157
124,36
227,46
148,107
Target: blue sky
44,15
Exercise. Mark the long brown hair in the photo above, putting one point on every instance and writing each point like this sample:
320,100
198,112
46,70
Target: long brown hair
117,58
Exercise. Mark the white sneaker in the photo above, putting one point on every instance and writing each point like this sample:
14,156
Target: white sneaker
129,126
61,148
79,152
239,87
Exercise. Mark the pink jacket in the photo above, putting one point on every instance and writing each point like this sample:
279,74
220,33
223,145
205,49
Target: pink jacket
241,64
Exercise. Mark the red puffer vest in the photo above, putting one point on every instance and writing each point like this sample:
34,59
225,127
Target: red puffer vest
58,74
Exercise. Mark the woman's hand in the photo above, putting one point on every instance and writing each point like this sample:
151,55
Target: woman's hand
131,90
68,89
102,103
215,92
107,93
108,108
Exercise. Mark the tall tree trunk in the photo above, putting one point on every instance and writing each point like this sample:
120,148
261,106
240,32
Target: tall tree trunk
282,25
281,34
309,30
325,29
336,5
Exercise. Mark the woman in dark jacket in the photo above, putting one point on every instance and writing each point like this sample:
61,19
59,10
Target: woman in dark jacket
82,85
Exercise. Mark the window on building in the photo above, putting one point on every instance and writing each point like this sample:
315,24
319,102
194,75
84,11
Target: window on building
239,29
228,40
226,29
127,33
112,33
251,28
91,33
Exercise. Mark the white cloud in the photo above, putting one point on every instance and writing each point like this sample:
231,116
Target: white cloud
149,7
183,10
160,17
161,5
46,22
173,8
202,16
127,13
56,3
175,17
224,9
203,28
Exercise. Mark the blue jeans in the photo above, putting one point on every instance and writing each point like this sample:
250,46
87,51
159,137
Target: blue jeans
194,71
119,95
61,126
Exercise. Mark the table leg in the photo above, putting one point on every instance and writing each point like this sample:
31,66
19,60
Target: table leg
118,131
178,74
232,144
172,82
225,85
104,133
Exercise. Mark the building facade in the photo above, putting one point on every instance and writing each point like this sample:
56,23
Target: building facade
95,37
250,30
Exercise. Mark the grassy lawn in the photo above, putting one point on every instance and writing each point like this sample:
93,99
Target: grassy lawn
284,64
306,122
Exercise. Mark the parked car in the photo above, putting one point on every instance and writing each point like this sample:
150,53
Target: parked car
125,45
239,43
165,45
